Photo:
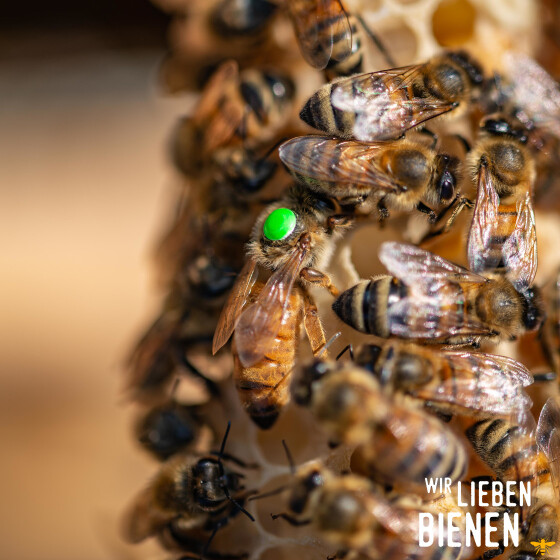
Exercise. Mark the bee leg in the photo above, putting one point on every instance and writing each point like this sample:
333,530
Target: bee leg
338,221
312,325
425,210
377,41
383,212
182,360
291,520
462,202
464,142
492,553
314,276
349,348
432,135
544,377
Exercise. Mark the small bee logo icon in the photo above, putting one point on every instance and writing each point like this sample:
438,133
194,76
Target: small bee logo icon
542,546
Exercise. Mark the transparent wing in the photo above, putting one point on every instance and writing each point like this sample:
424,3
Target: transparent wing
492,239
234,305
481,383
331,159
548,440
534,91
383,108
259,323
484,224
520,249
316,26
427,316
419,267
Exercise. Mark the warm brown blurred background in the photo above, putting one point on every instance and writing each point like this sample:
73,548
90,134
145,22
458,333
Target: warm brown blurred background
84,177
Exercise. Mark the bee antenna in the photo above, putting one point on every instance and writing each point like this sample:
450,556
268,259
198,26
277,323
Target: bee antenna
222,448
274,492
329,343
237,504
289,456
349,348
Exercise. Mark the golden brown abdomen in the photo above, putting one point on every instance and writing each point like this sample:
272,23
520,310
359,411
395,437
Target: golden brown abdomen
264,388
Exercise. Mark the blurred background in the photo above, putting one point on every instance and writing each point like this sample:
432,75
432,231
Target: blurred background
83,173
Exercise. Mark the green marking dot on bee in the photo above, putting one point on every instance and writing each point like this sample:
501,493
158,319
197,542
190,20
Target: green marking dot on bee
279,224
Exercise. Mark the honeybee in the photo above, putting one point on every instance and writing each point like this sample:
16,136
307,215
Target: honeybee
168,429
188,319
350,513
436,301
249,107
400,175
453,382
190,495
293,238
352,408
233,18
502,235
520,452
329,37
384,105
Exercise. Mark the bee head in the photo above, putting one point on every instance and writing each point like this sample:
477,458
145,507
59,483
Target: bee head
368,356
166,430
210,278
469,65
498,125
209,480
303,388
534,312
303,488
446,172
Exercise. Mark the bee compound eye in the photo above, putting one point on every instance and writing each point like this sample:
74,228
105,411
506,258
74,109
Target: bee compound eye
279,224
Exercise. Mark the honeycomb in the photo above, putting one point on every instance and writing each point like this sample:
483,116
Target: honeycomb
412,31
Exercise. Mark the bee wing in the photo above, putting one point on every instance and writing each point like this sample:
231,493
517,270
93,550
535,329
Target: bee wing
316,25
380,112
520,249
481,382
484,223
260,322
548,439
331,159
234,305
534,91
434,290
420,267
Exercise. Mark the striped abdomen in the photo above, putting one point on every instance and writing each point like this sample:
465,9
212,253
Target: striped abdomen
264,388
385,307
347,57
410,445
321,113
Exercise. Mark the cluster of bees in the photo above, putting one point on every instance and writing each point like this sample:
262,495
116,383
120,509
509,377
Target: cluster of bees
253,243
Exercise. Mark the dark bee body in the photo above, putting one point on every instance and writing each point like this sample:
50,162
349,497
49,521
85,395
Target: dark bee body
233,18
397,175
235,108
263,388
189,491
168,429
440,302
384,105
404,445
